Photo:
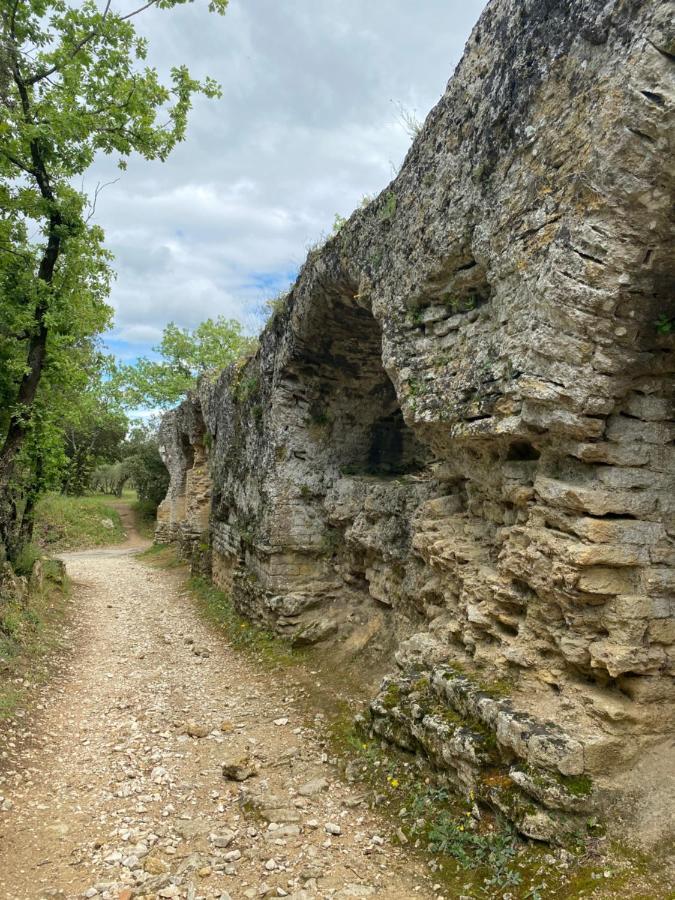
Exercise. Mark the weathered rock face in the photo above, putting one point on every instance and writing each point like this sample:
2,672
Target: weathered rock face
455,443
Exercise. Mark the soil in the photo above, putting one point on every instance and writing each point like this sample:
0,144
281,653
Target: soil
113,785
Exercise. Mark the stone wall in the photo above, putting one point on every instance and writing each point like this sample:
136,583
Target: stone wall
452,454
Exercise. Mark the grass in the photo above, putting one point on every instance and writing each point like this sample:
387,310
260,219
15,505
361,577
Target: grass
65,523
29,634
218,609
144,517
163,557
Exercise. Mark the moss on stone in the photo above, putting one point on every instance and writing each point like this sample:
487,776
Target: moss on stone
422,685
499,688
577,785
392,696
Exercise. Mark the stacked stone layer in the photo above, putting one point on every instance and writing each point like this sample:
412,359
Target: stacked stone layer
455,444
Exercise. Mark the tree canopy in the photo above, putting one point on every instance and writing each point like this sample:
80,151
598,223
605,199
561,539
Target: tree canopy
185,356
73,83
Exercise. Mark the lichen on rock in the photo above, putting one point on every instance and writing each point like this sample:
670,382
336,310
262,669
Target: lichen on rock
454,445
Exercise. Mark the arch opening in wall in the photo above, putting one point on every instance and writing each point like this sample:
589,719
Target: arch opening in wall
347,403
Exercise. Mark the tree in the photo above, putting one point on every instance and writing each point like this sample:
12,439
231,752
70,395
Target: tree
72,84
186,355
77,420
144,465
110,478
94,431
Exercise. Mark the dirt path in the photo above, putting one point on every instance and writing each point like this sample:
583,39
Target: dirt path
112,798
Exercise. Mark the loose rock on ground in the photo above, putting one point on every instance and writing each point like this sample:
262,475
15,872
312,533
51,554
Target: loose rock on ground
154,772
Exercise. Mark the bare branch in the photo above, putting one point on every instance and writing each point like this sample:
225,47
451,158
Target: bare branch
139,10
99,187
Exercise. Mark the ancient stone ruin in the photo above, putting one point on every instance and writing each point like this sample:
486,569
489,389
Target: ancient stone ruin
451,459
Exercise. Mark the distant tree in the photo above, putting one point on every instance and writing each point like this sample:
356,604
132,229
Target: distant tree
144,465
110,478
94,431
72,84
186,355
74,404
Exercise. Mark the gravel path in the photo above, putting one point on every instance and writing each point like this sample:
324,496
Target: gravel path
119,791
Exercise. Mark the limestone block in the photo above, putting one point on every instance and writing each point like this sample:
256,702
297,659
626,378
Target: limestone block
605,580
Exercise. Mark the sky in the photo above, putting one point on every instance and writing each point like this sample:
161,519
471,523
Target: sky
309,122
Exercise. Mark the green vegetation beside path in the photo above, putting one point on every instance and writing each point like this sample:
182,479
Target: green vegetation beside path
31,629
68,523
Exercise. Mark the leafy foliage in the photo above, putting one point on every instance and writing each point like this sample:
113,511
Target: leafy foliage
110,478
144,465
94,429
73,83
185,356
665,325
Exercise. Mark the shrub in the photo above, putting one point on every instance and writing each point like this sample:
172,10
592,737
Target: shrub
25,560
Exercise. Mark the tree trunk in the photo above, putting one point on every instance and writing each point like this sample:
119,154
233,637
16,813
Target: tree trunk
37,344
28,520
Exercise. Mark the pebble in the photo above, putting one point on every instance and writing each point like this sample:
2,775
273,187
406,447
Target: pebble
164,824
193,729
170,892
310,788
238,768
224,839
153,865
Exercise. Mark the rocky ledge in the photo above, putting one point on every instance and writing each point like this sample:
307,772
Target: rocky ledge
453,449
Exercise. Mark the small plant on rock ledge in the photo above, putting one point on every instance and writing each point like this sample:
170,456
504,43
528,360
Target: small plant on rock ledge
414,316
665,324
246,388
389,207
338,224
318,421
278,304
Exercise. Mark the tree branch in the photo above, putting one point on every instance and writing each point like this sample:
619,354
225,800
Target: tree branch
139,10
12,19
97,190
18,163
39,76
14,252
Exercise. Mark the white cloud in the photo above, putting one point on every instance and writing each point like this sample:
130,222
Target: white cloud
306,126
